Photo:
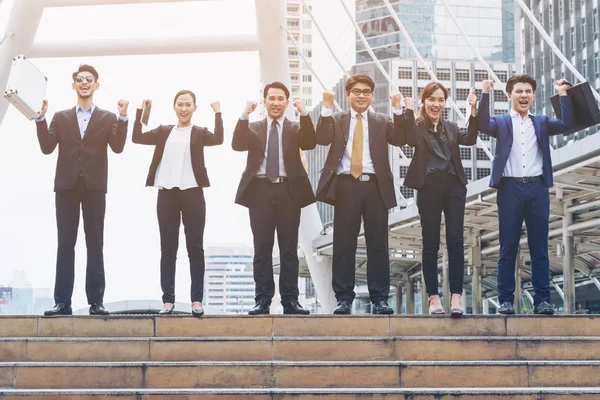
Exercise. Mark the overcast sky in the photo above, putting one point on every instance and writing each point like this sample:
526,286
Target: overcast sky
27,213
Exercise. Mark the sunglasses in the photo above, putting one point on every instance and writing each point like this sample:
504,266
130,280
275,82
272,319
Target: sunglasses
365,92
80,78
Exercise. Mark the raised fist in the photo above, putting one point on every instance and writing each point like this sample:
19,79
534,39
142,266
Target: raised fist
328,99
216,106
44,109
396,99
487,86
122,105
299,104
561,86
250,107
410,103
472,100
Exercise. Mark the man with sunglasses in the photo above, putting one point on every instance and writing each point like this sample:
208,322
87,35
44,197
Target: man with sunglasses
358,181
83,134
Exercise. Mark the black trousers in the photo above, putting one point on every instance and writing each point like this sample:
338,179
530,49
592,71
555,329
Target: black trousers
172,206
272,208
442,193
68,206
355,200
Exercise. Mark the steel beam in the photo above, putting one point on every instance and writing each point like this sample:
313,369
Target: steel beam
146,46
19,35
568,260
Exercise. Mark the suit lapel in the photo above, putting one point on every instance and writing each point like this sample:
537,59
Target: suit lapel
450,134
72,116
194,137
262,133
346,125
96,114
285,132
509,125
372,128
537,128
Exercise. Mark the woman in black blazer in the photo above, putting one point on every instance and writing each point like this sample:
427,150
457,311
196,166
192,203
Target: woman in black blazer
436,172
177,170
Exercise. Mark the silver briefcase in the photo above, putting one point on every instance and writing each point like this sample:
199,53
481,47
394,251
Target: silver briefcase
26,87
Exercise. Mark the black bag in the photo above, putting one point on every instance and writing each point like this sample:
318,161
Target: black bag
585,107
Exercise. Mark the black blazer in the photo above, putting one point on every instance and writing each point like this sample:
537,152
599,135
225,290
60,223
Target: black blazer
335,130
158,137
77,156
418,137
252,137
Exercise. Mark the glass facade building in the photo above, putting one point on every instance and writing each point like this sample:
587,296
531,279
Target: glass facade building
489,25
573,26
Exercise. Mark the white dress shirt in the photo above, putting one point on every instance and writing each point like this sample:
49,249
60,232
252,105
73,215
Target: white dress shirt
262,169
525,159
175,167
344,167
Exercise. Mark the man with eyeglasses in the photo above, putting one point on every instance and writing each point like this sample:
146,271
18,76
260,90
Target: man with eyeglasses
358,182
83,134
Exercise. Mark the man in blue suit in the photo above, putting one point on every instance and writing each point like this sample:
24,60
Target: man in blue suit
522,173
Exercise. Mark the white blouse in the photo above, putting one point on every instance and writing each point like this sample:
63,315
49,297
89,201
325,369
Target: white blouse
175,168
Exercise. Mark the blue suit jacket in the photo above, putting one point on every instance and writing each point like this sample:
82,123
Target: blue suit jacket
500,127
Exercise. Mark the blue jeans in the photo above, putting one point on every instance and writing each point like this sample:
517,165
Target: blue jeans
519,201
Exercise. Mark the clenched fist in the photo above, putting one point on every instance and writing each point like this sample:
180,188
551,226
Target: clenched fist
561,87
396,99
250,107
487,85
410,103
216,106
299,104
328,99
472,100
44,109
147,102
122,105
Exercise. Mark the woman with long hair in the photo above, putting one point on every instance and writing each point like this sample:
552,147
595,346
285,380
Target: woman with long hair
436,172
177,170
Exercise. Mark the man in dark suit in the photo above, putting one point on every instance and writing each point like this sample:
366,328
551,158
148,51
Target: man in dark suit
522,173
275,187
358,181
82,134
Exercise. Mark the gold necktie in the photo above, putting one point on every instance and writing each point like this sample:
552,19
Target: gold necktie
356,163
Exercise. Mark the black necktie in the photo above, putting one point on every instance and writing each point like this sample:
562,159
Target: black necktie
273,153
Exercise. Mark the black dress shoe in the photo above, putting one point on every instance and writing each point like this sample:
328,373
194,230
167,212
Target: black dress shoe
543,308
381,307
198,311
293,307
343,307
167,310
506,308
98,309
60,309
261,307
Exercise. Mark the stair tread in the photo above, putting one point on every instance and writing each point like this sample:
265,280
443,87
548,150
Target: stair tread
479,390
458,363
293,338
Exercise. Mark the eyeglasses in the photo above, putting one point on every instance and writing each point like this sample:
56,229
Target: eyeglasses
81,78
365,92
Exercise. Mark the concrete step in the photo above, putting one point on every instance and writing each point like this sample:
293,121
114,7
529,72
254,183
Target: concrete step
314,374
312,325
295,348
522,393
